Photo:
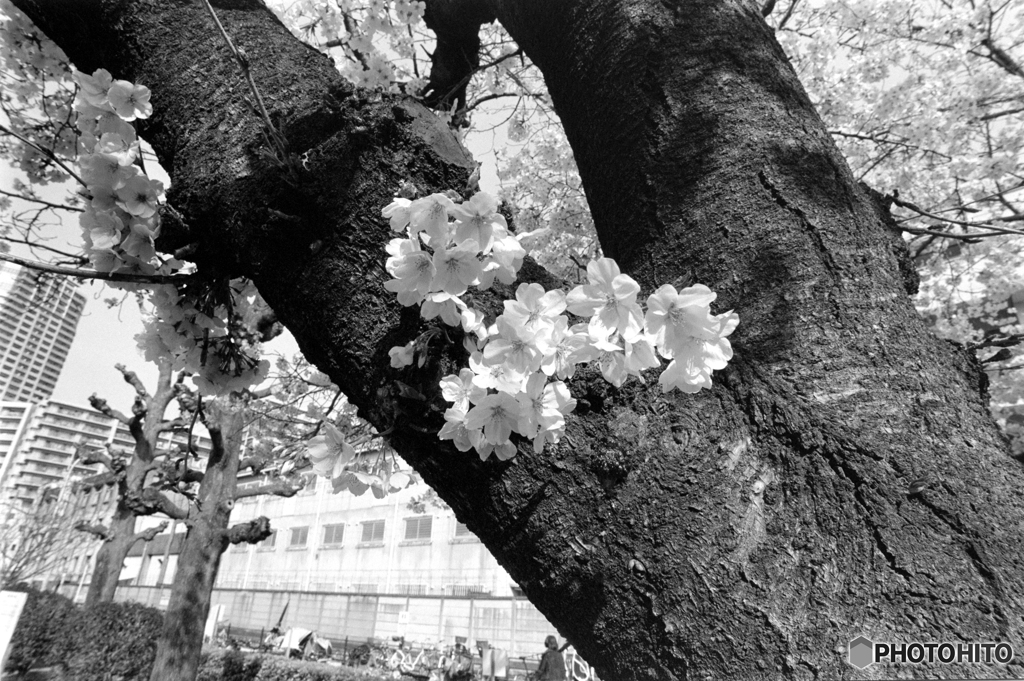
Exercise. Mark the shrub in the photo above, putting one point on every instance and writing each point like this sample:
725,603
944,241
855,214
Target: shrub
38,640
113,641
277,668
235,667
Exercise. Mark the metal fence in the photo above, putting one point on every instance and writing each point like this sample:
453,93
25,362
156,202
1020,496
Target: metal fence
512,624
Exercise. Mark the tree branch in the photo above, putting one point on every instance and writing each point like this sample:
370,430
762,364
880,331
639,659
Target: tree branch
100,405
103,276
252,532
151,501
278,488
98,529
40,201
90,456
132,378
147,535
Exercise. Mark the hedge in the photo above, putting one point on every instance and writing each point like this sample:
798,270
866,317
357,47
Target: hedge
38,638
229,665
104,642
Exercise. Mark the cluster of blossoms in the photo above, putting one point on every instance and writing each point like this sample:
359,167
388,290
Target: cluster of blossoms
120,221
119,225
335,459
518,364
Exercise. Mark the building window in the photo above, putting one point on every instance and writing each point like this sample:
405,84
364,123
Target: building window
462,531
268,543
334,534
299,536
418,528
373,531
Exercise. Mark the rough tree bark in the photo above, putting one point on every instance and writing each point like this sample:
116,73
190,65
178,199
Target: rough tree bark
144,425
208,536
645,536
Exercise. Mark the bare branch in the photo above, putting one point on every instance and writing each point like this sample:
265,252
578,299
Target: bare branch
278,488
98,529
252,532
132,378
89,455
147,535
173,425
151,501
58,206
100,405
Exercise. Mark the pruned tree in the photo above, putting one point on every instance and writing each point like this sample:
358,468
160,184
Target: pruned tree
131,475
843,476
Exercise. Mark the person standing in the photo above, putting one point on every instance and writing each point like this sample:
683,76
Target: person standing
552,664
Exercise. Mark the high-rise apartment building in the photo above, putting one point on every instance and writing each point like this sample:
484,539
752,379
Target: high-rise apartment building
38,318
38,443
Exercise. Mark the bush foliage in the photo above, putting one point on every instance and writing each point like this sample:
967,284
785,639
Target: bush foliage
38,638
105,642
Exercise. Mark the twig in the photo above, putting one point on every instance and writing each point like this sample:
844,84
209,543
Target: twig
105,276
46,152
45,203
275,137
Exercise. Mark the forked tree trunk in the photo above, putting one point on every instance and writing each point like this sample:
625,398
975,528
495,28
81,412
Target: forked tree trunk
749,531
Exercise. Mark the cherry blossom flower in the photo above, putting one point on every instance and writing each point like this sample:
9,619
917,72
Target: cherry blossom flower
538,407
101,229
674,318
446,305
609,298
473,322
105,261
329,452
497,376
477,219
113,145
129,101
503,451
562,344
93,88
91,100
454,429
558,393
696,358
504,262
456,268
139,245
104,171
430,215
138,195
638,350
397,213
497,415
534,308
413,270
522,350
401,355
461,391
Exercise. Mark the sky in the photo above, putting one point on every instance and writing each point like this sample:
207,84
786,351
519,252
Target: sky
106,335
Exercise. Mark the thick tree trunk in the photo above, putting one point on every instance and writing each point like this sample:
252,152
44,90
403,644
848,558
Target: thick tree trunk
181,642
110,558
749,531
